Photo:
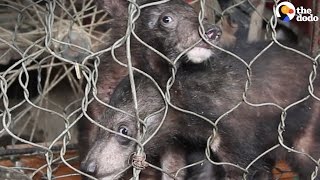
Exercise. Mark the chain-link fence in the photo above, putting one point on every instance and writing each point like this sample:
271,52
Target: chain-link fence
54,75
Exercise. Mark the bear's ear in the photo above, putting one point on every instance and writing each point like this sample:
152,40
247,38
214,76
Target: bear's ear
116,8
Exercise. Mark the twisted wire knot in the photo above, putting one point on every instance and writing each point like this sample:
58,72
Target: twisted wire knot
139,161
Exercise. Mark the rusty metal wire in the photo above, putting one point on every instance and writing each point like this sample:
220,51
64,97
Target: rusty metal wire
62,40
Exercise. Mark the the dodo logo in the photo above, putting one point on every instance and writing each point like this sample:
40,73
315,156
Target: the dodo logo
285,11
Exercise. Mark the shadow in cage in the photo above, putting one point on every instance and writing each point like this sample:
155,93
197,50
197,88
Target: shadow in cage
158,89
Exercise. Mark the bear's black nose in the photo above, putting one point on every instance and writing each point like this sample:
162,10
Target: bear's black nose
89,166
213,33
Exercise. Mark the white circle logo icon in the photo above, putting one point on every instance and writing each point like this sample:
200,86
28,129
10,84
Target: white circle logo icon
285,11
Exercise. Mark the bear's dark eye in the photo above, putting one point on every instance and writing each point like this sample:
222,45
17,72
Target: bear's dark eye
167,19
123,130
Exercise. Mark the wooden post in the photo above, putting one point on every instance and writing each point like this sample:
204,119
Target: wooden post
254,33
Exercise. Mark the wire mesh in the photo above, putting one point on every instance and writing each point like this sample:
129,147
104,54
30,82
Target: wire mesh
43,44
50,57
